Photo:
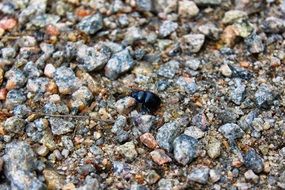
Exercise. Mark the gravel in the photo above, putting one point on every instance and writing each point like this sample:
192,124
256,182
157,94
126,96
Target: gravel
187,84
120,63
192,43
68,69
185,148
166,135
169,69
253,161
60,126
14,125
128,151
200,175
93,58
20,166
264,96
231,131
66,80
91,24
167,27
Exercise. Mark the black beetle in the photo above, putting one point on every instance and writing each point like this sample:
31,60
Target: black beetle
150,101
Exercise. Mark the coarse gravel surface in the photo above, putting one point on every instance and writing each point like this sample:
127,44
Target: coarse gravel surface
68,69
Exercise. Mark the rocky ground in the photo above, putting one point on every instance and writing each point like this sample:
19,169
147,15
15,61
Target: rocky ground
67,68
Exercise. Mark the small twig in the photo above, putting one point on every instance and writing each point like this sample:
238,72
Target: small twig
68,115
74,116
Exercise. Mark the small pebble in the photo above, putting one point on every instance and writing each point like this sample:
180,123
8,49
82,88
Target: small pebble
148,140
185,148
128,150
125,105
253,161
42,150
199,175
160,157
225,70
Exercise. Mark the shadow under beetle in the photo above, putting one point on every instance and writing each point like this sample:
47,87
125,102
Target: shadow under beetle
150,102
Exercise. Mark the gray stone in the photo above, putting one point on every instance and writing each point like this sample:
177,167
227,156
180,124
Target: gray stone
215,175
237,94
187,84
125,105
246,121
253,161
119,124
144,122
185,148
20,166
166,134
81,98
273,25
93,58
192,42
231,131
37,129
214,148
44,20
187,9
91,24
194,132
8,52
54,108
14,125
193,63
133,34
208,2
60,126
15,97
138,187
200,121
281,179
118,129
167,27
128,150
254,43
31,70
96,150
264,96
37,85
21,111
66,80
199,175
123,20
67,142
16,78
232,15
162,85
168,69
27,41
120,63
210,30
90,183
243,28
144,5
165,6
167,184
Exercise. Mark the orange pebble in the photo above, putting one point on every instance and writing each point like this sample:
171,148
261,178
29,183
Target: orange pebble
52,30
8,23
3,93
81,12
